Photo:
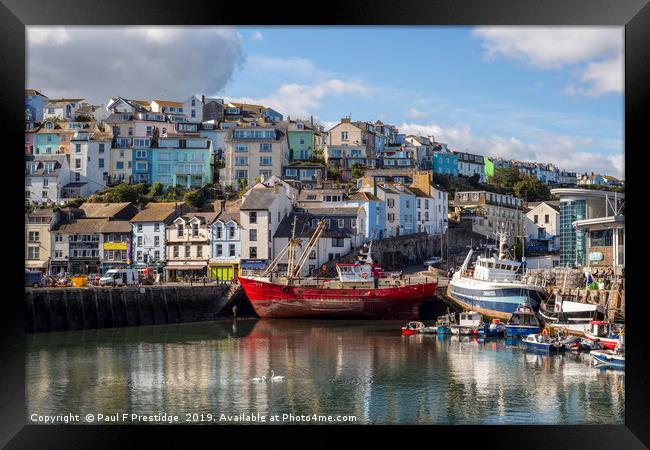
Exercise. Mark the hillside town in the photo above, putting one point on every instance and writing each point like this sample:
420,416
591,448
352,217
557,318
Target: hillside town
204,189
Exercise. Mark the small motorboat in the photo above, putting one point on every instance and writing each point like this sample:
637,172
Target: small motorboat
543,342
442,324
412,328
607,358
523,322
496,328
604,332
469,323
572,343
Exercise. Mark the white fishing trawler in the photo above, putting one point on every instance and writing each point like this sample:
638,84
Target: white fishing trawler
494,286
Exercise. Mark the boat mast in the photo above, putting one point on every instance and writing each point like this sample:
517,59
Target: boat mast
292,248
305,254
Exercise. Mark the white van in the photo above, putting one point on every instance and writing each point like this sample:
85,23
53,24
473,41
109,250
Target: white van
119,277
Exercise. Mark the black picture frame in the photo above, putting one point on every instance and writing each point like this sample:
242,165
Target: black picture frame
633,14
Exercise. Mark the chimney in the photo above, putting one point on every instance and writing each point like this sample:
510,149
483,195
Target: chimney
203,99
345,120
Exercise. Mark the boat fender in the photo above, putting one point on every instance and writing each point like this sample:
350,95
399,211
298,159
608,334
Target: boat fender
545,332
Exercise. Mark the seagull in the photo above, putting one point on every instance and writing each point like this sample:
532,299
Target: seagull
259,380
276,377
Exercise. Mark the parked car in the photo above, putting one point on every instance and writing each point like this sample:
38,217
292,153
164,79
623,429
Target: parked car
432,261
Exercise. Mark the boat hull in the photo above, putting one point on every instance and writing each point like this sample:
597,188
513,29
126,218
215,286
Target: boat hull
522,330
542,346
500,307
608,343
607,359
273,300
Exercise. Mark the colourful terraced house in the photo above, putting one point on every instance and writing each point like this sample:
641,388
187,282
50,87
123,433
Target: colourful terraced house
181,160
301,140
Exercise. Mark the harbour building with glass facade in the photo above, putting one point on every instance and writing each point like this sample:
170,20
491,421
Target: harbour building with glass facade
592,227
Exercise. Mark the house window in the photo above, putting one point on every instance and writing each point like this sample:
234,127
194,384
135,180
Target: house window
219,250
77,163
156,241
32,252
179,230
344,135
218,232
139,241
195,229
341,223
231,249
156,255
266,147
266,161
535,218
312,254
252,218
187,250
199,251
44,194
252,252
193,113
546,218
101,163
252,235
175,251
241,161
337,242
119,165
231,231
156,227
46,182
33,236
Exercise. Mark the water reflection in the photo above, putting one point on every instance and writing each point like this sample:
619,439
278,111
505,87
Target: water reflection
331,367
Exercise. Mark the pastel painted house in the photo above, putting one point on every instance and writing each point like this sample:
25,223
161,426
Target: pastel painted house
445,163
35,103
225,245
301,140
182,160
374,210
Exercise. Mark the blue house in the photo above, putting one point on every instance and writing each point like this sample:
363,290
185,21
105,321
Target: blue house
272,115
142,164
445,163
34,104
375,210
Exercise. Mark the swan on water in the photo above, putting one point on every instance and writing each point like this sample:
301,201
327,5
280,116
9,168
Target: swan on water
276,377
259,380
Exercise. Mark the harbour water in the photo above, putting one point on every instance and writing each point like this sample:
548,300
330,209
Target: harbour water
364,369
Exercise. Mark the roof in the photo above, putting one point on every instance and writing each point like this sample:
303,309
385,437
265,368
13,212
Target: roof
74,184
226,216
103,210
364,196
304,227
259,199
65,100
335,211
96,225
41,159
555,204
204,217
41,212
418,192
164,103
156,212
34,92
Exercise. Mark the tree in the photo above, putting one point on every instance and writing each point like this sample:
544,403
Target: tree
193,199
156,189
124,193
506,178
75,202
474,180
333,172
531,189
357,171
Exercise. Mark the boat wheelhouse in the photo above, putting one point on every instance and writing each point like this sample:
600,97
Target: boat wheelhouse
572,317
523,322
603,332
468,323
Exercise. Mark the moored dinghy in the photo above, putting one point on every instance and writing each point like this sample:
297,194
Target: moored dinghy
469,323
543,342
523,322
412,328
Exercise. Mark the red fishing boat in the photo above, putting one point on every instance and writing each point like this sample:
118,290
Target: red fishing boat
361,291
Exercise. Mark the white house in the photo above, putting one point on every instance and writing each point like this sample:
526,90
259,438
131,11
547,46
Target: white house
542,224
63,108
188,244
225,244
261,212
45,177
193,109
90,159
149,239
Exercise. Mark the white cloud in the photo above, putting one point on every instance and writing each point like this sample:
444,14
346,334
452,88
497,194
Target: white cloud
47,36
257,36
137,62
597,50
285,66
300,100
415,113
566,152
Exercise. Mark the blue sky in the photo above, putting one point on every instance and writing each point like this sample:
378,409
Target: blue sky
531,93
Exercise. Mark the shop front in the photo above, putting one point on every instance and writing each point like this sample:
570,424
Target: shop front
252,266
179,271
225,271
34,266
116,255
